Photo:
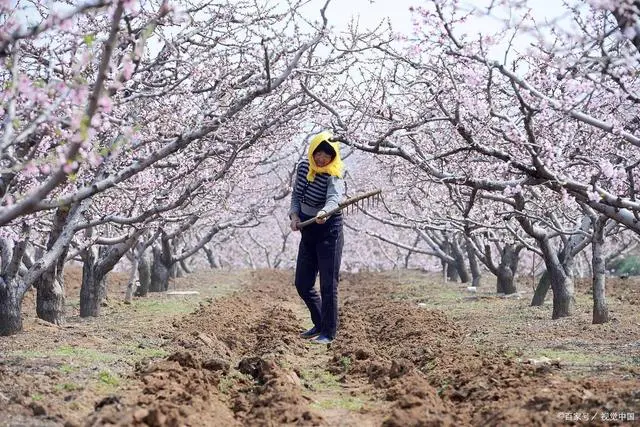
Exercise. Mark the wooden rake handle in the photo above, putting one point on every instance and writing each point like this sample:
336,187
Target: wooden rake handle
348,202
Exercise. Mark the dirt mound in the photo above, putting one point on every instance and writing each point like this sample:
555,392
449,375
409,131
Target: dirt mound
177,391
239,360
434,375
232,367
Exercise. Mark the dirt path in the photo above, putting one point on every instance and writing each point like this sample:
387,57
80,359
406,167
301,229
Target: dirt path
398,361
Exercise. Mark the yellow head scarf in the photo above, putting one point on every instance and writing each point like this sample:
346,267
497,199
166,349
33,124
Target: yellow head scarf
335,168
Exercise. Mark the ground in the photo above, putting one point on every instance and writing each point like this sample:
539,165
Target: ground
411,351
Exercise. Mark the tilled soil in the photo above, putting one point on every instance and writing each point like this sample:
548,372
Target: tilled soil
241,362
238,360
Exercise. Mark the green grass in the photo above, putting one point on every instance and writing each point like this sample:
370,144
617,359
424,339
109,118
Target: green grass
348,403
36,397
319,379
68,352
171,306
228,381
141,351
345,362
68,387
577,357
66,369
107,378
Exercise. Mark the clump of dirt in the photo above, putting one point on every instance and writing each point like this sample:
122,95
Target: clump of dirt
176,391
435,375
378,338
232,361
238,360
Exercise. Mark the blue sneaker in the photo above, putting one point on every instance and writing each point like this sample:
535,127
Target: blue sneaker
321,339
311,333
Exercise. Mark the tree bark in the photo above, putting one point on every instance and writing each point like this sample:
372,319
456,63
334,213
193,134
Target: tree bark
452,272
94,272
448,265
144,275
541,290
507,270
128,296
213,262
50,295
563,295
559,274
185,267
13,286
93,286
600,310
161,267
476,275
10,309
460,264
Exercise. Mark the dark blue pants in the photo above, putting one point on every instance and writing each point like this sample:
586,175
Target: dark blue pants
320,251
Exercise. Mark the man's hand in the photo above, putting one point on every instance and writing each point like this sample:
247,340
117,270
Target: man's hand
321,220
295,222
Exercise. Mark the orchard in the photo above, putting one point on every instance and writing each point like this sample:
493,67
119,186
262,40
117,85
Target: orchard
150,162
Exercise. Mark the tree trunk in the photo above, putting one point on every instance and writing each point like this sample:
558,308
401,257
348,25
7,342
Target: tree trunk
452,272
160,272
563,295
507,270
600,310
131,283
179,272
460,264
10,309
50,295
476,276
504,284
541,290
93,288
185,267
94,273
213,262
144,275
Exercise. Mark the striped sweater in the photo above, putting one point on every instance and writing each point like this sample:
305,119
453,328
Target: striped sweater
324,193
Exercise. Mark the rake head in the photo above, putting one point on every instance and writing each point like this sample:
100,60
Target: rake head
372,198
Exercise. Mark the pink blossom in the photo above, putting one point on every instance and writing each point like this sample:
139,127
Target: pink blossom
593,196
96,120
105,103
607,168
127,67
41,98
129,5
629,32
79,95
25,87
30,169
45,169
66,24
76,119
69,167
95,159
603,4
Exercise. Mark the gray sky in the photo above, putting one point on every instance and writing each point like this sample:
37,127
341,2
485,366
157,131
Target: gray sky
370,13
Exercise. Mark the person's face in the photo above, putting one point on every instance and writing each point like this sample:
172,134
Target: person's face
322,159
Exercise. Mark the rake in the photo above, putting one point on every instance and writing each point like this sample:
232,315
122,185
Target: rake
368,198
